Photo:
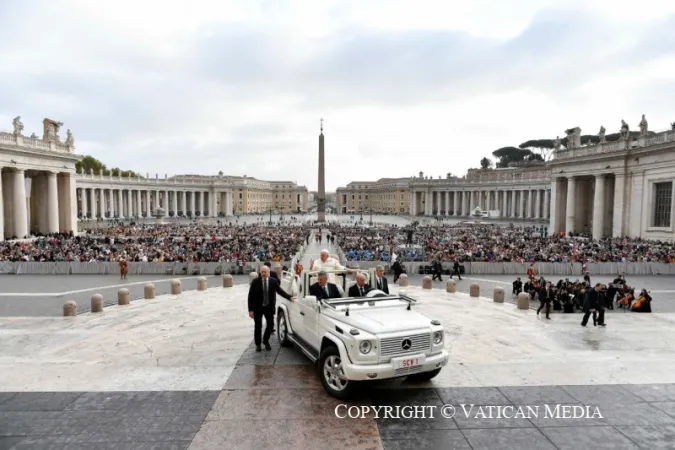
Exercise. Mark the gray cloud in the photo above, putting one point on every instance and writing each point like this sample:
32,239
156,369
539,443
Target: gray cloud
139,107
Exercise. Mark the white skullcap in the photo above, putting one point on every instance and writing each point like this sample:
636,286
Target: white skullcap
324,251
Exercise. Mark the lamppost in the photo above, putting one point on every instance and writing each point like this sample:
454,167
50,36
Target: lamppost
371,217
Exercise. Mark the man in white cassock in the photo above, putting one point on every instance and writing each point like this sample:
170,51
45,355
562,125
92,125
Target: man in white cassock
327,264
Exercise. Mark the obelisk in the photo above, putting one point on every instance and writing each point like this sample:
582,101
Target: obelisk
321,200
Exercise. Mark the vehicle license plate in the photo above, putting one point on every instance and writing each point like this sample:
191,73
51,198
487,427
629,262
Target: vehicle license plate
401,363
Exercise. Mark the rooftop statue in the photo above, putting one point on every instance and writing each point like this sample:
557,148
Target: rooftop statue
70,140
601,134
18,126
625,130
643,126
556,144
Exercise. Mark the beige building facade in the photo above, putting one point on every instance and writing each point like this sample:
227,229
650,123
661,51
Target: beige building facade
41,191
387,196
618,188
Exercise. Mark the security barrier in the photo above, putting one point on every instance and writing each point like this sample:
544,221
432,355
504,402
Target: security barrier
216,268
135,268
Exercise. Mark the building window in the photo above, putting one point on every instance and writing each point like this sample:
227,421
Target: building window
663,195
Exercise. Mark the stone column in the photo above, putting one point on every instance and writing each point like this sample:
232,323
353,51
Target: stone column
547,204
555,208
202,203
67,193
52,203
505,204
19,210
120,210
619,202
522,204
148,208
213,209
174,203
101,202
599,207
537,203
83,200
570,214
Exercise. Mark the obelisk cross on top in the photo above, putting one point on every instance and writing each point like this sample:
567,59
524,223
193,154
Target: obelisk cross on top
321,200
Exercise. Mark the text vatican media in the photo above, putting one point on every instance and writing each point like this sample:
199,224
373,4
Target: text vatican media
468,411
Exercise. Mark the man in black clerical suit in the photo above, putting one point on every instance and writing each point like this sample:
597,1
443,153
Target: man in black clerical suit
360,289
381,283
262,299
322,289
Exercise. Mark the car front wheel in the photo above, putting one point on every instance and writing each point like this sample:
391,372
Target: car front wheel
282,329
333,376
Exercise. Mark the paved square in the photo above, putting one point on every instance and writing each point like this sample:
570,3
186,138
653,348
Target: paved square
182,373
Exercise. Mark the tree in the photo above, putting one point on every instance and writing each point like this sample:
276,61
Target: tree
544,146
485,163
509,155
89,164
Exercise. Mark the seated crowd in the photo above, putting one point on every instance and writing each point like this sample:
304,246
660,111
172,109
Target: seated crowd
194,242
489,243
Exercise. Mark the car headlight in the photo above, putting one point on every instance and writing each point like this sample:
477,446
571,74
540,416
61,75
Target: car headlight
438,337
365,347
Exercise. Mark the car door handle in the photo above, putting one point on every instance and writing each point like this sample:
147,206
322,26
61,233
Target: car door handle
302,313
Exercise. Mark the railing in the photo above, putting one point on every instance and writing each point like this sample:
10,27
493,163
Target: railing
619,145
34,143
483,176
561,270
135,268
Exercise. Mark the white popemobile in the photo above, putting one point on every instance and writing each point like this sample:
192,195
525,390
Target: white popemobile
359,339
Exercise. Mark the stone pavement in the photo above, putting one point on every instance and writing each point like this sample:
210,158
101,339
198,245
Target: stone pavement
180,372
40,295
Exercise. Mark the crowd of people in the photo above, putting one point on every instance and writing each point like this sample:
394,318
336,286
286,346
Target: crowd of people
573,296
194,242
491,243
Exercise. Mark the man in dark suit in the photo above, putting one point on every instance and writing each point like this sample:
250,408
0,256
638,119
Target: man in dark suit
262,299
360,289
381,283
593,305
322,289
455,270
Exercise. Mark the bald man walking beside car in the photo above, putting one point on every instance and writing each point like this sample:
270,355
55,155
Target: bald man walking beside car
262,299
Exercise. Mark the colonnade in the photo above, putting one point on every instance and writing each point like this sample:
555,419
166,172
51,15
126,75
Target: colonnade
591,204
36,201
531,203
135,203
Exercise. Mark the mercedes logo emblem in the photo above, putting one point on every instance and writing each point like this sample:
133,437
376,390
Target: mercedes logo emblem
406,344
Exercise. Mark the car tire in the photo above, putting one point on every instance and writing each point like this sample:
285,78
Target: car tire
424,376
282,329
332,375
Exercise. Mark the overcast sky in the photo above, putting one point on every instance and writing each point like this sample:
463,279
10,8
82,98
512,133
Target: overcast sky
403,86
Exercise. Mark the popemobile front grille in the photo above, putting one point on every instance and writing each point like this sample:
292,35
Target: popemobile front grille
408,370
394,346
